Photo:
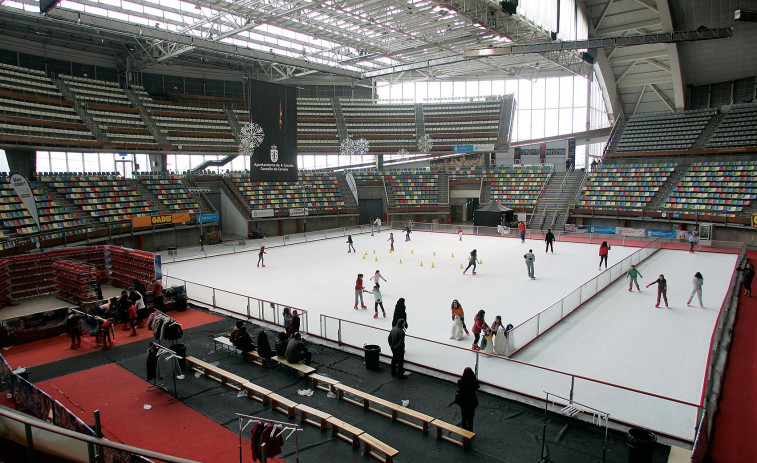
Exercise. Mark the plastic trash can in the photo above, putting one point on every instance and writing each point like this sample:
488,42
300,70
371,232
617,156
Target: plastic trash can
181,351
641,444
372,353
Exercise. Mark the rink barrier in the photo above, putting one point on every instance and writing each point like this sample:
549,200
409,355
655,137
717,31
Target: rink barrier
530,330
526,381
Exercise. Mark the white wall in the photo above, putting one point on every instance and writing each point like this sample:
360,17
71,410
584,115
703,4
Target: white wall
234,222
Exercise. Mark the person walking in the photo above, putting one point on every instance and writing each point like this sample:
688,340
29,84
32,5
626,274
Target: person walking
522,230
549,238
472,261
400,312
396,340
350,247
530,258
693,240
604,249
747,277
260,256
633,274
359,291
391,242
466,397
378,301
662,290
376,277
479,325
698,281
457,309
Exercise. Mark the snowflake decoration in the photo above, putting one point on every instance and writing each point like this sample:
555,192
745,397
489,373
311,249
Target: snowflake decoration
361,147
425,144
251,136
347,147
403,152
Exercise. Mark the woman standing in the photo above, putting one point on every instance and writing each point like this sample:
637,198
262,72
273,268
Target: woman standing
466,398
604,249
697,289
287,315
472,262
457,309
662,290
748,276
479,325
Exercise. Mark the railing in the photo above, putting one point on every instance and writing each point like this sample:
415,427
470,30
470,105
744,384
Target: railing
528,331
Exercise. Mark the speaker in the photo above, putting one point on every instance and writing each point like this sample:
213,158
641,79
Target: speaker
509,6
588,57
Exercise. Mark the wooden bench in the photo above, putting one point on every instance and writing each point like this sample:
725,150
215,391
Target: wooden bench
464,434
251,355
307,412
396,412
317,379
218,374
256,392
282,404
301,367
377,449
345,431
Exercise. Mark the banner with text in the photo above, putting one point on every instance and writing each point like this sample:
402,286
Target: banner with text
163,219
274,108
26,195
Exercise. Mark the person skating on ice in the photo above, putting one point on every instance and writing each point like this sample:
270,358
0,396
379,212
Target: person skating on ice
633,274
378,302
376,277
359,291
662,290
260,256
460,233
698,281
407,232
471,262
522,230
529,257
549,238
350,247
693,240
457,309
391,242
604,249
479,325
377,223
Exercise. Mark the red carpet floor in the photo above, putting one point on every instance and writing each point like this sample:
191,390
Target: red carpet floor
735,424
175,429
57,348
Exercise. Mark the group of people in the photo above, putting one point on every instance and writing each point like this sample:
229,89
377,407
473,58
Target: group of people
376,291
289,344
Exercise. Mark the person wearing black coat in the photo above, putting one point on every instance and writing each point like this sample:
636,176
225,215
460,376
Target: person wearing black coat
549,238
243,341
400,313
281,344
466,398
748,276
264,347
396,341
294,324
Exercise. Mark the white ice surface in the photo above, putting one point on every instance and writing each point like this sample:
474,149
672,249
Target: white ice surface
617,337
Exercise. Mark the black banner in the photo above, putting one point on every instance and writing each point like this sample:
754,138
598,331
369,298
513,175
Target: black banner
572,150
274,108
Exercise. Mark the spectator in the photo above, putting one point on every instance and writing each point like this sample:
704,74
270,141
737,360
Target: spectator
466,398
157,294
264,347
243,341
400,313
287,314
297,352
294,325
281,344
397,345
235,332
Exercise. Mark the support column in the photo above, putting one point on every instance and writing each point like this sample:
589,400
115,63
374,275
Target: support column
379,162
157,162
22,161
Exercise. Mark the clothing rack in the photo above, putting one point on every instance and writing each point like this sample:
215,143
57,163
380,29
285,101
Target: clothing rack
176,357
241,416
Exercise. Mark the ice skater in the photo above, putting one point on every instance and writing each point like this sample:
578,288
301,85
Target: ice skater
522,230
549,238
407,232
377,224
662,290
471,262
530,258
378,302
698,281
479,325
376,277
633,273
350,247
391,242
604,249
260,256
359,291
693,240
460,233
457,309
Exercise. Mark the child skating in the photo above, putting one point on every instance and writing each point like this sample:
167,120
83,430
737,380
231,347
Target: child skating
378,301
460,233
260,256
359,291
471,262
604,249
457,309
391,242
407,232
697,289
376,277
479,325
633,274
350,247
662,290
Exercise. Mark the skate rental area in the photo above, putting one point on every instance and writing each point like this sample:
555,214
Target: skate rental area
643,366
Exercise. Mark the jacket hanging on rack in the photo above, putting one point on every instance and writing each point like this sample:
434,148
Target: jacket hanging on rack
255,433
272,439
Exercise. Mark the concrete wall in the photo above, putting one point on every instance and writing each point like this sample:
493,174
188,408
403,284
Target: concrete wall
234,223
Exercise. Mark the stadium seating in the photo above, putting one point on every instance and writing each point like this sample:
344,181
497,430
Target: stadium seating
663,131
626,187
170,190
412,188
517,188
318,191
450,124
388,127
464,172
316,126
737,128
722,188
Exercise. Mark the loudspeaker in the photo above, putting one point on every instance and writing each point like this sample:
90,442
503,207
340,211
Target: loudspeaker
588,57
509,6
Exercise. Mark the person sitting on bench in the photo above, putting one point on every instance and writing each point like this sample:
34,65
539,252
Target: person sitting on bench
235,332
243,341
281,344
296,350
264,347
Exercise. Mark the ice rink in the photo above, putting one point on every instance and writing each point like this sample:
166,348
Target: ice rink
616,337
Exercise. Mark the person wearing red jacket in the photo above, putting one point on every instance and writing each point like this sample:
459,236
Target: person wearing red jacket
133,318
359,291
479,325
522,230
604,249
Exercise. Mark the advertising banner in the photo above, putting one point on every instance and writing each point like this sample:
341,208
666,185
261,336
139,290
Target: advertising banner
26,195
603,230
353,186
274,108
754,220
208,218
262,213
573,228
158,268
298,212
163,219
629,231
661,233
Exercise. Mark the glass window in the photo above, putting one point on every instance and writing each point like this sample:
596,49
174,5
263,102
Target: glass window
552,125
524,94
524,125
498,87
580,89
459,90
107,162
566,92
58,162
92,162
434,90
421,91
43,161
447,89
565,120
471,89
579,119
538,93
485,88
553,92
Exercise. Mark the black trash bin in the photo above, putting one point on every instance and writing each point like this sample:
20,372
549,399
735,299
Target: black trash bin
640,445
372,353
22,372
181,351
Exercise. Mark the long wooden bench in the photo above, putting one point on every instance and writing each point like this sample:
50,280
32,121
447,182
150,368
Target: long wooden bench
345,431
282,404
464,435
395,412
318,379
256,392
251,355
313,416
377,449
217,374
301,367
